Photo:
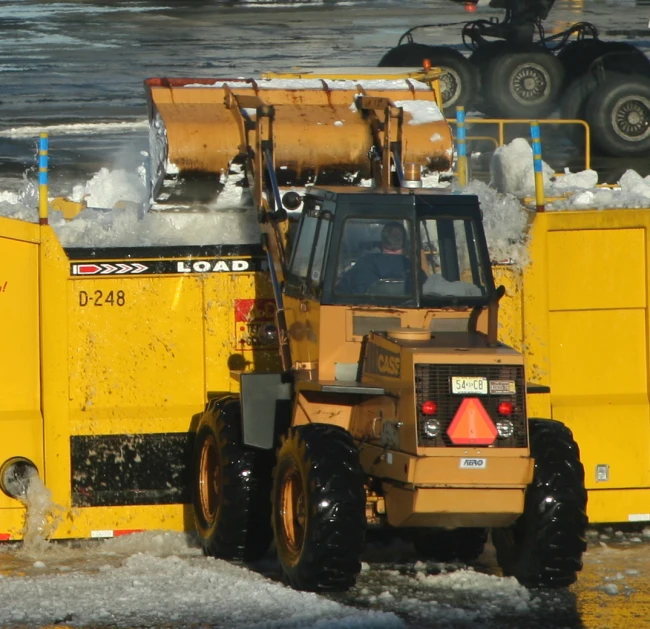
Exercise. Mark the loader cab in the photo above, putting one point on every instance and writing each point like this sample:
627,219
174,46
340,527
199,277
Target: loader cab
341,283
399,249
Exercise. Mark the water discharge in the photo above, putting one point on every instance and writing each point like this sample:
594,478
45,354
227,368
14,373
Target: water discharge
42,517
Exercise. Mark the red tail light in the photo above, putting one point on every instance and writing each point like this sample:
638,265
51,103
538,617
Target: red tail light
429,407
506,408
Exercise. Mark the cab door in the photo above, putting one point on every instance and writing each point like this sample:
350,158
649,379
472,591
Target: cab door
303,287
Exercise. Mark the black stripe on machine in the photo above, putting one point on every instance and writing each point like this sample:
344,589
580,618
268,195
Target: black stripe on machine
121,470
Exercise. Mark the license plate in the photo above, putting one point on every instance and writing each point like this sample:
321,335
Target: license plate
476,385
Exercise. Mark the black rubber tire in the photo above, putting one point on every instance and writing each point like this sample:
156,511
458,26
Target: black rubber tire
581,56
506,92
544,547
319,502
464,544
573,105
618,114
482,56
459,84
231,487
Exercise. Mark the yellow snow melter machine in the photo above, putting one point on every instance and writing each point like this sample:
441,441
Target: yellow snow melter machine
348,368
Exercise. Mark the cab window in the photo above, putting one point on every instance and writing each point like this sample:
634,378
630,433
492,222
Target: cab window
375,258
308,259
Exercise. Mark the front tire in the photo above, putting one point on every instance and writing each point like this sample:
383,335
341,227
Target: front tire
544,547
522,83
319,508
231,487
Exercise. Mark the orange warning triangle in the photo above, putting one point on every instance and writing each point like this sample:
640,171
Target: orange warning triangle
472,425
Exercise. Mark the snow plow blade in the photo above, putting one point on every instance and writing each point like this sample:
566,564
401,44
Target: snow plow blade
317,129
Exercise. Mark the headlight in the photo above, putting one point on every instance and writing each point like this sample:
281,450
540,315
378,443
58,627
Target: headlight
268,334
431,428
505,428
15,476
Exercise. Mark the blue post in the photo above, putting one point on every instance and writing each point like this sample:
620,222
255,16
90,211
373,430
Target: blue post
462,145
42,178
538,166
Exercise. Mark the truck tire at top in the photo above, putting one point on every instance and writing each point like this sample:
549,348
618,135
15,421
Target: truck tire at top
544,547
520,83
618,113
458,85
586,55
319,501
573,104
231,486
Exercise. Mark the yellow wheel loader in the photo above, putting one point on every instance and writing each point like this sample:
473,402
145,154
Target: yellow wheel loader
395,407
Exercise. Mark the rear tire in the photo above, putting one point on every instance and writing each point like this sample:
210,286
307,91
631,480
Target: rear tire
319,504
619,116
522,83
464,544
231,487
458,85
574,105
544,547
579,57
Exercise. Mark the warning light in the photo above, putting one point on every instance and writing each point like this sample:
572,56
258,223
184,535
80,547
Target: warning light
505,408
472,425
429,407
426,64
470,7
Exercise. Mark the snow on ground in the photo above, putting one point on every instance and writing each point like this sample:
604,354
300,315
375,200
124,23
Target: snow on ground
161,579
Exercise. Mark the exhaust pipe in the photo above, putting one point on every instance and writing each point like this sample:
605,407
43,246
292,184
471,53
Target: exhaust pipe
15,475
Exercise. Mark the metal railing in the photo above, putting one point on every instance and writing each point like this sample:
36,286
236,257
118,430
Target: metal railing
501,124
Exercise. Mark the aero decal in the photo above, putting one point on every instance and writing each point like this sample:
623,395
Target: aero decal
167,267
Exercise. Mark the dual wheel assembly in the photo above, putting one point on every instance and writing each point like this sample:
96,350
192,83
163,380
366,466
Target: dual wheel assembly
606,84
309,498
499,79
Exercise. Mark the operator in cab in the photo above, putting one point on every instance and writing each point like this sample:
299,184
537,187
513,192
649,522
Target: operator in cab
391,263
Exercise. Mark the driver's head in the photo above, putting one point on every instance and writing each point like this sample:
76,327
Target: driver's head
392,238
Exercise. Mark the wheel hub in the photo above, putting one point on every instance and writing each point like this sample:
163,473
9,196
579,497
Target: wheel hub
449,87
631,118
530,84
209,480
293,511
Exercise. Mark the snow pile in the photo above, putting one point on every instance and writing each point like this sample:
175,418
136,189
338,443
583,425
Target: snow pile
317,84
128,228
106,188
505,222
117,200
511,169
633,191
22,205
422,112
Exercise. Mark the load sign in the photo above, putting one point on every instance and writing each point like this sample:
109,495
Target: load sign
166,267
